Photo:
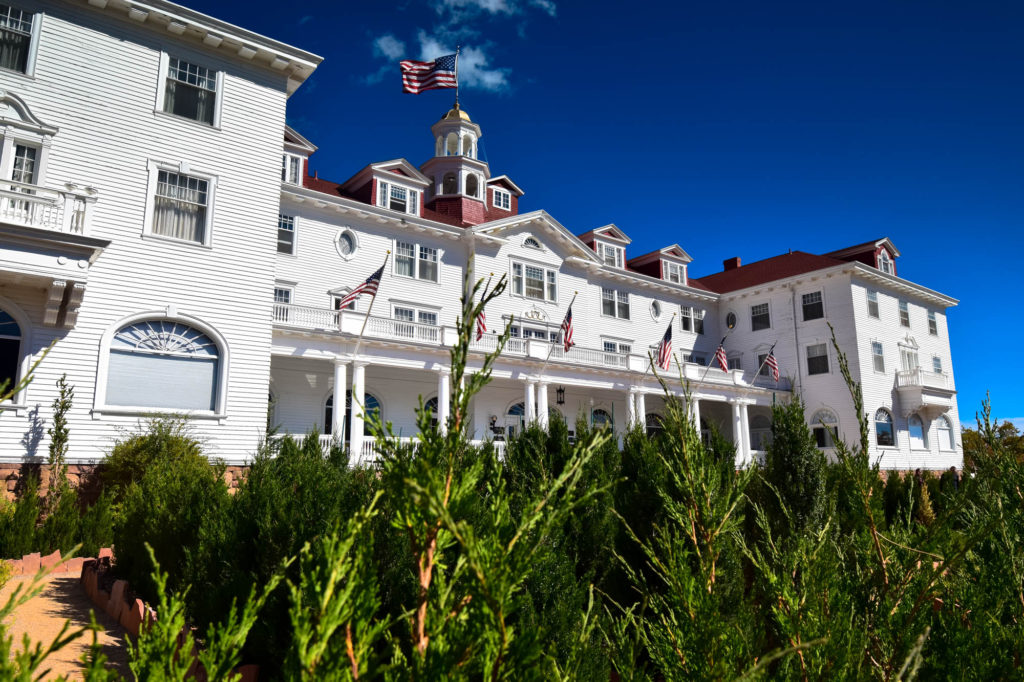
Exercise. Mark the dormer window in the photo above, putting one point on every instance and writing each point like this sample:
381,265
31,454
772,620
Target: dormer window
673,272
397,198
502,200
885,262
611,255
291,169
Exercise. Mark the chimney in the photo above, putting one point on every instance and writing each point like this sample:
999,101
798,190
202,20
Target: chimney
731,263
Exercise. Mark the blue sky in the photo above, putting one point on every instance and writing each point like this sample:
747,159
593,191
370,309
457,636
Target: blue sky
735,129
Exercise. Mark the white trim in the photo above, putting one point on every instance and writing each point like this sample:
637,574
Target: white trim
153,168
25,355
295,235
545,267
355,242
415,260
750,316
508,197
100,406
161,91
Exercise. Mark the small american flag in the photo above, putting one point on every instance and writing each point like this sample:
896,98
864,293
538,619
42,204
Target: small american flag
566,330
772,364
420,76
368,287
722,358
481,325
665,349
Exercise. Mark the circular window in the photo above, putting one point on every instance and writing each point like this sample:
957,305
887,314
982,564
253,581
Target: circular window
730,320
656,310
346,244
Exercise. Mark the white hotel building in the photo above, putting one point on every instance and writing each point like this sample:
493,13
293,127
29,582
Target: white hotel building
152,224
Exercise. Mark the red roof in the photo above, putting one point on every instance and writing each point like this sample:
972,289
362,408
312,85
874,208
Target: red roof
767,270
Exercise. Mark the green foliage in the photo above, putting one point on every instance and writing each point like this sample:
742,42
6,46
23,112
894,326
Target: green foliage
161,442
97,525
18,525
56,464
62,527
794,472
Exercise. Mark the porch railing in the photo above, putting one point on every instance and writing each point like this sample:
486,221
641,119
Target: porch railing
589,356
306,317
35,206
920,378
388,328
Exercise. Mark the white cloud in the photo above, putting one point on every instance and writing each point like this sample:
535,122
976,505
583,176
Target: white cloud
490,6
389,47
1018,422
474,64
546,5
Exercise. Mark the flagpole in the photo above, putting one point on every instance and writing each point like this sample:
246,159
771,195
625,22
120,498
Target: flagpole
708,369
650,357
551,349
359,341
457,49
770,350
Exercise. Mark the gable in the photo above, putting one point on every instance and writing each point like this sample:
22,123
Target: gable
552,234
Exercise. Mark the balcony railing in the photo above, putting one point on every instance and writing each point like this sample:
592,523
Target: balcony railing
35,206
920,378
590,356
387,328
305,316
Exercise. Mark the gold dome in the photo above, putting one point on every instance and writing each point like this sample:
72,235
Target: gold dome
457,113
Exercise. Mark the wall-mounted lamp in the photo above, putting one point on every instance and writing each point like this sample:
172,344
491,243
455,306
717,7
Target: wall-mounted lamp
560,395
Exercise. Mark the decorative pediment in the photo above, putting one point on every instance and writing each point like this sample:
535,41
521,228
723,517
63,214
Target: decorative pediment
609,231
909,342
558,238
15,112
535,314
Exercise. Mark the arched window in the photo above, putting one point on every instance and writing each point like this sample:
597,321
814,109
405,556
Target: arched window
467,146
825,428
10,350
453,145
760,432
600,418
945,434
884,262
885,436
473,186
164,364
918,436
515,419
654,423
450,184
532,243
431,405
370,401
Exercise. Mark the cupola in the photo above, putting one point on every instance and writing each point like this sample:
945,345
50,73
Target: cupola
458,177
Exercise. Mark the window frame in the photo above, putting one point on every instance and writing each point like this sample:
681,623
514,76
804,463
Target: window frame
808,357
100,406
33,43
617,303
933,323
496,199
885,263
668,266
621,346
879,356
418,310
161,90
549,280
922,445
692,316
939,421
286,161
281,219
417,256
618,254
154,168
820,303
25,357
828,429
872,298
767,312
892,428
937,364
355,242
413,197
904,313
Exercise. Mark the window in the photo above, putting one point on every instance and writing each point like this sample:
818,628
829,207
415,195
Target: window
937,364
611,346
412,315
691,319
908,357
735,362
397,198
760,432
338,298
877,356
163,364
873,304
521,332
765,369
502,199
24,169
346,244
534,281
825,428
615,303
532,243
611,255
945,430
416,261
370,403
600,418
10,350
673,272
814,308
473,185
15,39
191,91
291,169
918,436
759,317
817,359
885,436
180,207
656,310
885,262
904,314
933,324
285,233
696,358
282,295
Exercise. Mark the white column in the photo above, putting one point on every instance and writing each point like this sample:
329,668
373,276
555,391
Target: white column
338,410
542,404
530,403
641,408
358,399
745,431
631,409
737,432
695,413
444,394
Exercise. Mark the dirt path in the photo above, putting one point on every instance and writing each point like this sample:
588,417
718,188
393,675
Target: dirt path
42,618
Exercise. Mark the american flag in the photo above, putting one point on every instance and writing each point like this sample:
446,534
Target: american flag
665,349
368,287
772,364
566,330
420,76
722,358
481,325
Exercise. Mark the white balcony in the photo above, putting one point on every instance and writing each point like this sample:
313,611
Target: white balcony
42,208
591,357
923,392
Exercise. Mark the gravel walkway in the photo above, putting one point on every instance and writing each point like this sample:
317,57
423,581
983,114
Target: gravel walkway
42,618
